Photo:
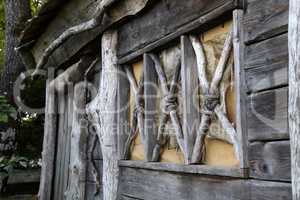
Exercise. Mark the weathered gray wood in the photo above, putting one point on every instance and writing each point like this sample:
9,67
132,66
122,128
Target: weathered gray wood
189,82
102,111
150,98
145,33
79,136
267,115
264,19
154,185
270,160
240,86
75,13
189,169
266,64
123,112
294,91
48,144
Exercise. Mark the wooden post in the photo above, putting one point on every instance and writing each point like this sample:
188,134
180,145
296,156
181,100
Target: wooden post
294,94
102,111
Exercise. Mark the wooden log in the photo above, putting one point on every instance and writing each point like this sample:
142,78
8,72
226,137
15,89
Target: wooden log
266,64
267,115
270,160
79,135
264,19
294,92
103,112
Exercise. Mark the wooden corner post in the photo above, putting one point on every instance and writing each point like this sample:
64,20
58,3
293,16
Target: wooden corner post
294,94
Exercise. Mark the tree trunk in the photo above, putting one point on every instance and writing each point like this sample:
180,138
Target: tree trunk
17,12
294,94
103,112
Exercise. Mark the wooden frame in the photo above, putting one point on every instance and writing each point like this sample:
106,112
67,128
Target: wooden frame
150,69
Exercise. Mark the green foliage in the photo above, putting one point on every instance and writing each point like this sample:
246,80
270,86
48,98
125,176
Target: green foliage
6,110
35,6
15,162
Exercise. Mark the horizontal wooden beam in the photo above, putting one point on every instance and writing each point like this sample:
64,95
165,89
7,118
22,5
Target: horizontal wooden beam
189,169
148,32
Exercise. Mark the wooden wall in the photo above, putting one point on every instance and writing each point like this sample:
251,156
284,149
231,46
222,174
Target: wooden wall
265,68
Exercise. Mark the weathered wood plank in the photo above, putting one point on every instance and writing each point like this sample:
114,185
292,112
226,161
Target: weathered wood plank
92,193
267,115
264,19
123,112
150,98
240,85
294,94
189,82
153,28
154,185
270,160
189,169
266,64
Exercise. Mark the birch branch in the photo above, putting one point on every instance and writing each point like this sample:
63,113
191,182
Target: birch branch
201,63
85,26
229,130
219,72
199,143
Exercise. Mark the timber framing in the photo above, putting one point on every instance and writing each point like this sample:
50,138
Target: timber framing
148,30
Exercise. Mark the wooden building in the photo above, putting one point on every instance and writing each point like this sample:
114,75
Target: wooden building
163,99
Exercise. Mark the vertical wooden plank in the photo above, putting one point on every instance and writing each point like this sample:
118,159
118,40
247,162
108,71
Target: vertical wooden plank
240,86
150,96
190,86
122,111
59,149
49,144
294,94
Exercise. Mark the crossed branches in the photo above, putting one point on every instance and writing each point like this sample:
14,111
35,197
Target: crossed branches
211,104
170,107
138,114
211,99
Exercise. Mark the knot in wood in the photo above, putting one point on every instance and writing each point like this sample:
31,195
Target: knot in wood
209,103
170,102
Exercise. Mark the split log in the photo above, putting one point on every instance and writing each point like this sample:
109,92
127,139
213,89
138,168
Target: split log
103,111
294,94
78,156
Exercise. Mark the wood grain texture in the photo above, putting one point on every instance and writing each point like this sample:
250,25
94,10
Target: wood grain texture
266,64
264,19
189,84
294,94
156,185
240,85
154,24
267,117
270,160
150,98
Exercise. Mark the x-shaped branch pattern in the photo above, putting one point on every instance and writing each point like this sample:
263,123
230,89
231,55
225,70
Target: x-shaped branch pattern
170,107
138,114
211,99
